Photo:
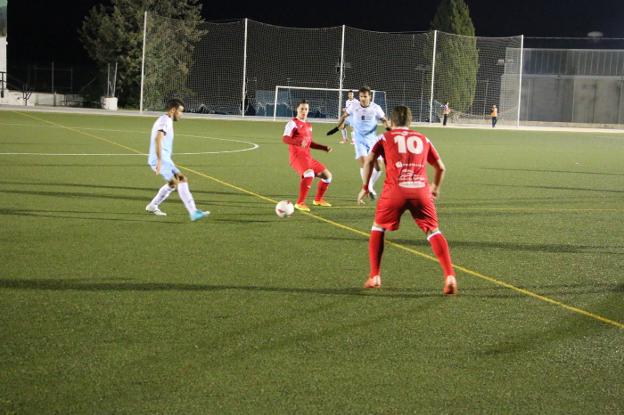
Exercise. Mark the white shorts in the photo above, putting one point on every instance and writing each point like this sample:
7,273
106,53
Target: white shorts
363,145
167,169
361,149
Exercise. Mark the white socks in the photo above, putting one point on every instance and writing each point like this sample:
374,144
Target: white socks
376,174
187,197
344,134
162,195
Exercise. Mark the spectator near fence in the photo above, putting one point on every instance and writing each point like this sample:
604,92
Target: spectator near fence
494,115
446,110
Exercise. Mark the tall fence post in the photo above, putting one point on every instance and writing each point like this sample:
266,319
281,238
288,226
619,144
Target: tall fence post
435,44
143,61
340,85
520,80
275,103
244,89
52,87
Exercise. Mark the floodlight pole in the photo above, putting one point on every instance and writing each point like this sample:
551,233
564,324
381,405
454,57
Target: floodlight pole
53,91
244,72
143,61
435,44
520,80
341,71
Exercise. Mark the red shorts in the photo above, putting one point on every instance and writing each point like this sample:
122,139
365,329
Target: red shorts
301,164
392,204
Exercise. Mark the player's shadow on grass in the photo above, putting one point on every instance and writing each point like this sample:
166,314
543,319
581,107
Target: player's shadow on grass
150,190
81,185
573,325
66,165
501,202
516,247
526,186
107,284
67,195
424,246
70,214
85,285
220,218
552,171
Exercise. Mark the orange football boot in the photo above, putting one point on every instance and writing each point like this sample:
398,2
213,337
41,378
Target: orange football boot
321,202
373,282
450,285
302,207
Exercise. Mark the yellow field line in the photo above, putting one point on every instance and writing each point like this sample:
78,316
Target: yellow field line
366,234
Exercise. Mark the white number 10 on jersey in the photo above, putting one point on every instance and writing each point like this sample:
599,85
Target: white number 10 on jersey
413,144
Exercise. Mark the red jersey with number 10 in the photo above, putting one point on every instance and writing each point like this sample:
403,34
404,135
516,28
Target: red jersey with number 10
406,154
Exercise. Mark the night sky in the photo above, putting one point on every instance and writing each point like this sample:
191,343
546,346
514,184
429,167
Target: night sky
41,31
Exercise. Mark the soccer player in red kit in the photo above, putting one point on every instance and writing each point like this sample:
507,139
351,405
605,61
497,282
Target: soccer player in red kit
298,136
406,187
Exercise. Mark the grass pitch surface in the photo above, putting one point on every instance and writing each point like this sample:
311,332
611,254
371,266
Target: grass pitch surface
106,309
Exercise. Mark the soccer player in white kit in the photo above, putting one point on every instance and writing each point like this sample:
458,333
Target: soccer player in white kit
364,116
347,124
159,159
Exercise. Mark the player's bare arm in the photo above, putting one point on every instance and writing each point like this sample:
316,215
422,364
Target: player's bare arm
159,138
440,171
340,125
322,147
386,123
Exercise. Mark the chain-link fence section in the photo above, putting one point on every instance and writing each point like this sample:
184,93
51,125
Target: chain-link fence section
233,68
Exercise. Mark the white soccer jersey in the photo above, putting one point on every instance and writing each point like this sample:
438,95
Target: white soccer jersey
164,123
364,120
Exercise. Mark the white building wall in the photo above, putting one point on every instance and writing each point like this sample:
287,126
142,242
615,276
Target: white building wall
3,54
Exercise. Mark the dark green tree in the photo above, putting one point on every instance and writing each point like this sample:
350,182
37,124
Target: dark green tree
114,33
457,56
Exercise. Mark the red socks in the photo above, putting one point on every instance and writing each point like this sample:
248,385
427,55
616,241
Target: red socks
375,251
441,250
320,190
304,188
438,245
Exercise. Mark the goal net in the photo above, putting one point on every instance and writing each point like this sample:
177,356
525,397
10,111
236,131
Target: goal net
250,68
397,63
325,103
195,64
474,73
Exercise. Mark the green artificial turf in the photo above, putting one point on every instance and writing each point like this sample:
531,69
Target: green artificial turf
105,309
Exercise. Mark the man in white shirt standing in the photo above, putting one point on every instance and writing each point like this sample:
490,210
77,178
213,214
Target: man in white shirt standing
364,116
161,162
347,124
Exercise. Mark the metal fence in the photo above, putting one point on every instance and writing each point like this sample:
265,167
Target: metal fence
234,68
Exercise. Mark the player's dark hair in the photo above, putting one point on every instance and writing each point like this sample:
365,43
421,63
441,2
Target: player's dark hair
174,103
401,116
303,101
365,89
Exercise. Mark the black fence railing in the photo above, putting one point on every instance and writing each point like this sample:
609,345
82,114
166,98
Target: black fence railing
2,83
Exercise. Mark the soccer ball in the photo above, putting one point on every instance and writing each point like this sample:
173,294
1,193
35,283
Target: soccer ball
284,209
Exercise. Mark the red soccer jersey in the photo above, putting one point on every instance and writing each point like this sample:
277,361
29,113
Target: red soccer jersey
406,154
296,133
